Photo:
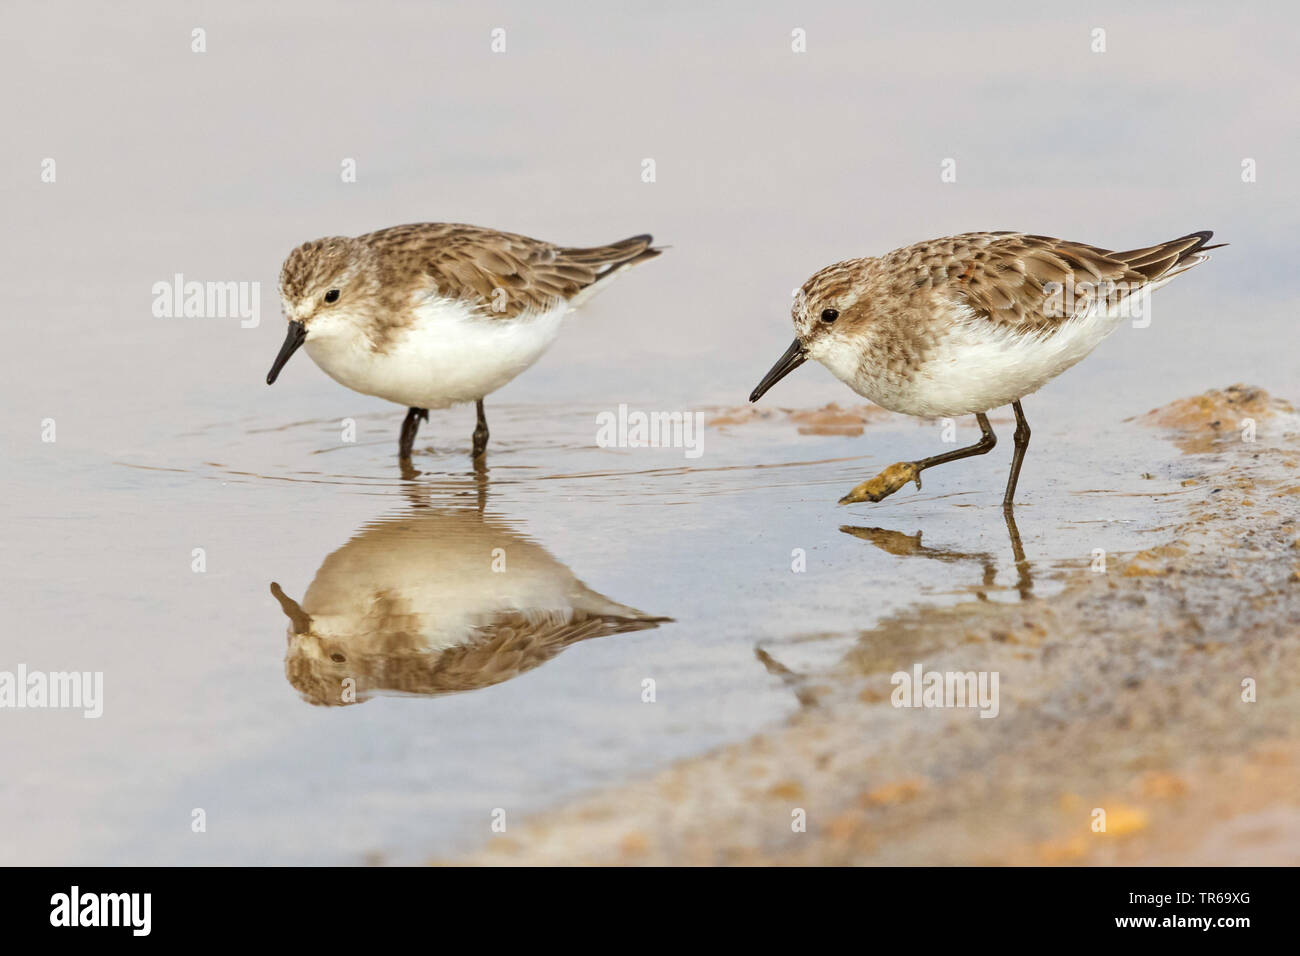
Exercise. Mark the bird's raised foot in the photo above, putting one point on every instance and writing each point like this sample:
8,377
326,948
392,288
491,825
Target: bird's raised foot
885,484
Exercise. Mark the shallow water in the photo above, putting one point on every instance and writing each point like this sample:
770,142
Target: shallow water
167,440
200,709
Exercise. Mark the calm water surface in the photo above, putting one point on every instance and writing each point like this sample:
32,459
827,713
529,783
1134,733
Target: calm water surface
481,688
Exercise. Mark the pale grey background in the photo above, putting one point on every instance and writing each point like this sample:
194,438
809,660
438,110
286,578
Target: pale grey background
770,164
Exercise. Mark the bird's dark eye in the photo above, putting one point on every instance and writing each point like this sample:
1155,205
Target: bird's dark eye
332,295
338,658
830,315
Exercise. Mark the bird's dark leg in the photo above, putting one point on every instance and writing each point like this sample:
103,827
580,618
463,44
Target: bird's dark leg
410,426
480,484
1025,581
900,473
1022,442
480,432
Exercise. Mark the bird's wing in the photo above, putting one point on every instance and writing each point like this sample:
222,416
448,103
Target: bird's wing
508,643
1034,283
502,274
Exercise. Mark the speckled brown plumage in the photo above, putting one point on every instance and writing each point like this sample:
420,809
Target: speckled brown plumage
432,315
1004,277
456,261
969,323
499,647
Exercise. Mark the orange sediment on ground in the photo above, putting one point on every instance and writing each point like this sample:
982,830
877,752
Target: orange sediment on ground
827,420
1203,421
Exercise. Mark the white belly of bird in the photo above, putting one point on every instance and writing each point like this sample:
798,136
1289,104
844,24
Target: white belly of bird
978,366
445,356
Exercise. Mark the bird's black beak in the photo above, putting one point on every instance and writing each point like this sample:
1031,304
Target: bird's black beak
794,356
293,340
299,619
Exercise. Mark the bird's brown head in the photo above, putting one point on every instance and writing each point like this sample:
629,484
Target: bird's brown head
828,309
321,283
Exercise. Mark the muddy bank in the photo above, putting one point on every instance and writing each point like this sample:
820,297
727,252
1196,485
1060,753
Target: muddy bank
1159,687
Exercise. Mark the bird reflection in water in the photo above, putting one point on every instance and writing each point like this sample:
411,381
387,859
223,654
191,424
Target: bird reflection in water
437,601
905,545
884,647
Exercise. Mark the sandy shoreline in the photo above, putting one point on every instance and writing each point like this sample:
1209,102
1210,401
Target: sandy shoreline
1121,693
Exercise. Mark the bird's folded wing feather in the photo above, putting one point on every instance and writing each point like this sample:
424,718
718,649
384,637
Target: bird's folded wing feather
510,642
1035,283
506,275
